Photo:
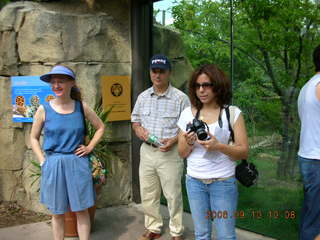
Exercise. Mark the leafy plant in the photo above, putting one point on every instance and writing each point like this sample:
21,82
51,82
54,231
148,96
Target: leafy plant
3,3
36,173
101,150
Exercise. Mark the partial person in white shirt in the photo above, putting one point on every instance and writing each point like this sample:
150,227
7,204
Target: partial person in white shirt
309,153
210,180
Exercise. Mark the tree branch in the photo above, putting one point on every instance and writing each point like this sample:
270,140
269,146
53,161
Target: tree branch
285,60
294,83
269,69
244,52
257,61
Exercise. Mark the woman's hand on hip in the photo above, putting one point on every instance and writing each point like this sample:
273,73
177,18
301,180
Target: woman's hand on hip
83,150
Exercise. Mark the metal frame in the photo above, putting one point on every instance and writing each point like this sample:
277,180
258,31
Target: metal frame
231,44
141,38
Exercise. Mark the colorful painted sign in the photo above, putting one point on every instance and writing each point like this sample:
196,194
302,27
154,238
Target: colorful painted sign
28,92
116,93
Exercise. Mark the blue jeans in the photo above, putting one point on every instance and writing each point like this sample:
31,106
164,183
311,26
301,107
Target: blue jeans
310,214
215,202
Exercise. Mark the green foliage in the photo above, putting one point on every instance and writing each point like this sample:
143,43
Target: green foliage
3,3
272,39
101,150
260,105
204,26
196,20
272,207
36,172
269,211
273,44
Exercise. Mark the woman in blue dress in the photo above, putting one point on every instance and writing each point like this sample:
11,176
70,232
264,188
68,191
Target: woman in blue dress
66,181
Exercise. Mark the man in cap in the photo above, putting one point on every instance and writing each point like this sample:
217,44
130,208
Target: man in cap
154,116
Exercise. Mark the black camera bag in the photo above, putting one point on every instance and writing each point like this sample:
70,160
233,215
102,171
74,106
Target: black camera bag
246,173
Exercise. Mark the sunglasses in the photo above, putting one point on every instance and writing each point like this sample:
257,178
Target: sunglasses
205,85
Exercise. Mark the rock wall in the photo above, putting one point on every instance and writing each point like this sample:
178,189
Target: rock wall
33,38
169,42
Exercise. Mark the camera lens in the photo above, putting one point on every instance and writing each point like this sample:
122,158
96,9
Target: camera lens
202,134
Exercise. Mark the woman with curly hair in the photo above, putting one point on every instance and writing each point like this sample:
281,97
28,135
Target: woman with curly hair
211,160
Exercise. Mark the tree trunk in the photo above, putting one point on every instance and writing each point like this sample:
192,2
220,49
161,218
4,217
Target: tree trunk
287,165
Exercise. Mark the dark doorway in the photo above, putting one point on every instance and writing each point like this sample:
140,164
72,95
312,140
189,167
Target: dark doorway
141,28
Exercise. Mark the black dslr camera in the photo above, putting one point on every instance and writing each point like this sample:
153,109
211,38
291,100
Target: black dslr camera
200,128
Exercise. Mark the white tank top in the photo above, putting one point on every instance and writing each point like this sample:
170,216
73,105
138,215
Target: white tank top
203,164
309,113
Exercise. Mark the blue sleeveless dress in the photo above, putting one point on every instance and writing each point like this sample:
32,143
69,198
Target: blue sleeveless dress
66,181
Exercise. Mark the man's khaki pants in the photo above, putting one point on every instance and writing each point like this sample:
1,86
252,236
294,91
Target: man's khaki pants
161,170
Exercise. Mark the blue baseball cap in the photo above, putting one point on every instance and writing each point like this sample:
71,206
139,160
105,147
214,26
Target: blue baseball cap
62,70
160,61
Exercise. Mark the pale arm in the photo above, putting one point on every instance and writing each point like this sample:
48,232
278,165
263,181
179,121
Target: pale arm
36,129
240,148
184,148
98,125
140,131
318,91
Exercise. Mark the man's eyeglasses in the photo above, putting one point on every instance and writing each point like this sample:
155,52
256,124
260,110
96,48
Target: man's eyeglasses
205,85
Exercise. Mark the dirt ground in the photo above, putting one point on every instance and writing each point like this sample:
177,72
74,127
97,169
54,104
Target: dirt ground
12,214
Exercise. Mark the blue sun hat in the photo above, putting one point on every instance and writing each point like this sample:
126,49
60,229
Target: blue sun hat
62,70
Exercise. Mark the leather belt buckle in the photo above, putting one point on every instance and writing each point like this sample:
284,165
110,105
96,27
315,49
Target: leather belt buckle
208,181
211,180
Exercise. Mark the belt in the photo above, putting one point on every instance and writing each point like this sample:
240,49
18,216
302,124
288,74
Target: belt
211,180
151,144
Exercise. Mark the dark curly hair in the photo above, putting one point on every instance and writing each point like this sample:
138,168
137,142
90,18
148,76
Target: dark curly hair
316,58
221,85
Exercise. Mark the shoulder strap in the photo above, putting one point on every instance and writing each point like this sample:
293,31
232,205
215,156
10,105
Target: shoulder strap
83,118
230,118
197,114
232,112
45,106
46,110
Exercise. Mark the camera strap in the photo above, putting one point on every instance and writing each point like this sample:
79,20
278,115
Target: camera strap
219,118
197,114
197,117
229,124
